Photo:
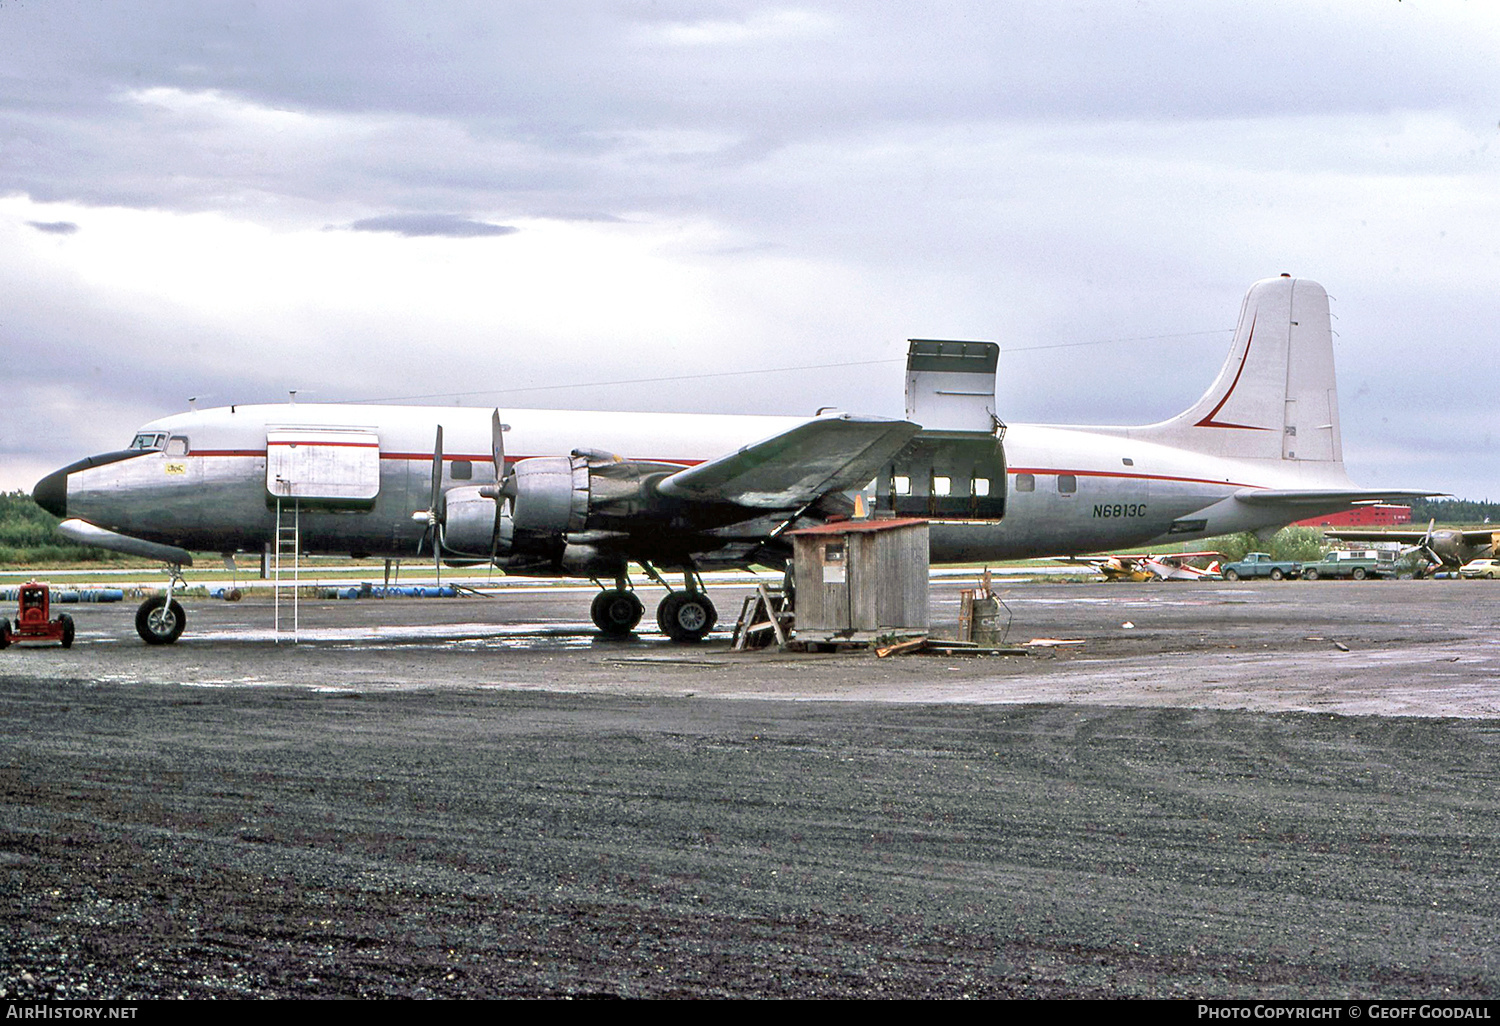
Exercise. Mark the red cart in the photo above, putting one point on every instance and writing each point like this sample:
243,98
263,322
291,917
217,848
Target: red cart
34,622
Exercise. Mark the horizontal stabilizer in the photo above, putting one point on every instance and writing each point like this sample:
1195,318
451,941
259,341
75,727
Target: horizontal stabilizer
1329,497
85,533
829,454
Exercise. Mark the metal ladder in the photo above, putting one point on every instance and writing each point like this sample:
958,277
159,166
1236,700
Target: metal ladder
288,542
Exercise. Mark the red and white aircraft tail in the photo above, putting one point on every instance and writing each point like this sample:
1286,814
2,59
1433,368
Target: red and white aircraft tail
1275,397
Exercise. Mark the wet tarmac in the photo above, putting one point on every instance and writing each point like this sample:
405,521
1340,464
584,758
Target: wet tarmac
1226,790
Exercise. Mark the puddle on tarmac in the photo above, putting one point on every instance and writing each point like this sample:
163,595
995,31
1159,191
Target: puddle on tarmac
456,637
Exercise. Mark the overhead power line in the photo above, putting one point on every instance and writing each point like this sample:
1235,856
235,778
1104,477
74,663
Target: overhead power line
663,379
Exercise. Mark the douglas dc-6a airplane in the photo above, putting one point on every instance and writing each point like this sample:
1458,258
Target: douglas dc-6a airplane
570,493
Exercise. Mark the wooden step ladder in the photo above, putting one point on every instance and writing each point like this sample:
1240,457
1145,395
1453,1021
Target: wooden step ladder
765,614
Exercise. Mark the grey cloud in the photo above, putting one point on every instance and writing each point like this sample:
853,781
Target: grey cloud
448,225
1030,173
54,227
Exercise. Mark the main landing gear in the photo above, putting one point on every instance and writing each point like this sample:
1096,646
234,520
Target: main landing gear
684,616
160,619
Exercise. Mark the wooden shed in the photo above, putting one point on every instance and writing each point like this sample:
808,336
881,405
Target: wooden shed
859,579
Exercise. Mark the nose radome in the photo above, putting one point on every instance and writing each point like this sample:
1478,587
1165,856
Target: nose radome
51,493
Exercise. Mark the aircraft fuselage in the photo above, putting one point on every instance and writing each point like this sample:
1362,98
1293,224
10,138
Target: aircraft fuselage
1069,490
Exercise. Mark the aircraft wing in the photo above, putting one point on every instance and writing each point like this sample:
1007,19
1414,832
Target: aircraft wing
794,468
1472,536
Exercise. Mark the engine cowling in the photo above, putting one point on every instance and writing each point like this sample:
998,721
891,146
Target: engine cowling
552,497
469,523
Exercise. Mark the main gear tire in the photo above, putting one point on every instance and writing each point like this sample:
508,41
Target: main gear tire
686,616
159,622
616,612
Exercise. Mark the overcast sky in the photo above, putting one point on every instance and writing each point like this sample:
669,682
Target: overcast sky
480,203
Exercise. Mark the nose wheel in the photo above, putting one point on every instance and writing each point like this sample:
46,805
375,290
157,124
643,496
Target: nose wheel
159,620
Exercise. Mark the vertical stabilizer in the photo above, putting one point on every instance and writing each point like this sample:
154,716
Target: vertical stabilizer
1275,397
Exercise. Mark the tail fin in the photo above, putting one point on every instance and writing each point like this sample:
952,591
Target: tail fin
1275,398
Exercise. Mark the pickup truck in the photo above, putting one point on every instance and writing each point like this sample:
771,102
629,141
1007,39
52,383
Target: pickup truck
1356,564
1260,564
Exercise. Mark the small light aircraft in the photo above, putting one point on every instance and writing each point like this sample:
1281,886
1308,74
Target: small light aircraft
1175,566
1171,566
1445,548
1120,568
549,492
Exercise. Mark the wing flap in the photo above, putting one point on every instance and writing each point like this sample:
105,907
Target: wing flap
788,470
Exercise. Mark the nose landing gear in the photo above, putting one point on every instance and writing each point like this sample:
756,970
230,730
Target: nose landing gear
160,619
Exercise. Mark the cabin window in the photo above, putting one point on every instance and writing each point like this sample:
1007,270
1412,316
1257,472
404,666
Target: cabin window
177,445
981,486
1025,482
1067,484
942,485
461,470
901,484
1127,461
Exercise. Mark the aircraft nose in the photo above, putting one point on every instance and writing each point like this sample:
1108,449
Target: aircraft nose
51,493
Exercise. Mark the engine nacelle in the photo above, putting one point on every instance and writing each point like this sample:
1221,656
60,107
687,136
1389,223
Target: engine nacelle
562,513
559,496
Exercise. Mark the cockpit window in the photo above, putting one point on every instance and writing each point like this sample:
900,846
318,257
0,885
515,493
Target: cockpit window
149,440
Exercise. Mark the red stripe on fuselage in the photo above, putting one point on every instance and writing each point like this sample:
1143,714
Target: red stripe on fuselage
1132,477
425,457
485,458
347,445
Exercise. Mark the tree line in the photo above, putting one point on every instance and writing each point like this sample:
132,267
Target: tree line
1454,512
27,536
